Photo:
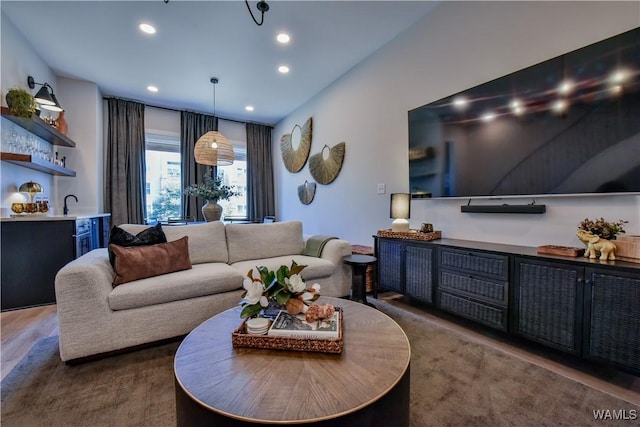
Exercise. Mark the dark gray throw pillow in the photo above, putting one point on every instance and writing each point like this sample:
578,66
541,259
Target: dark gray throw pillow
150,236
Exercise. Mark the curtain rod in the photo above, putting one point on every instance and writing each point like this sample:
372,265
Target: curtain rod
179,111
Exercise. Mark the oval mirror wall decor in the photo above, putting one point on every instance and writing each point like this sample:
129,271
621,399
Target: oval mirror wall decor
295,146
325,170
306,192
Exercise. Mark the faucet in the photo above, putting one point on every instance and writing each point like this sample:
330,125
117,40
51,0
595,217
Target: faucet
65,210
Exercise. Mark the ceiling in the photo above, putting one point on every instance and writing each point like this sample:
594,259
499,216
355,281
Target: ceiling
99,41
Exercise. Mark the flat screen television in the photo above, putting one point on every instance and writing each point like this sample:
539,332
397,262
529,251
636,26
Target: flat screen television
569,125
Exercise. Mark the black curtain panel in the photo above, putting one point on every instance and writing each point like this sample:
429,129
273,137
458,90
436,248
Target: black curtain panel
125,162
260,187
193,126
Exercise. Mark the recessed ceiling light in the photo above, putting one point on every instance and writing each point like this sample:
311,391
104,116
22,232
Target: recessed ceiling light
147,28
283,69
487,117
517,107
559,106
619,76
249,108
565,87
283,38
460,102
152,88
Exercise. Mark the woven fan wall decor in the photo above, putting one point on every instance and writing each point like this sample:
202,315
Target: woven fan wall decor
326,170
306,192
295,158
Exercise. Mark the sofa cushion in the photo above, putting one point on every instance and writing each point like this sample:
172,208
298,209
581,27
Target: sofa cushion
149,236
317,268
201,280
207,242
139,262
256,241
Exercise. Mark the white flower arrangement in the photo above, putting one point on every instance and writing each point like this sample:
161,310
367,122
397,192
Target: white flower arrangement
285,286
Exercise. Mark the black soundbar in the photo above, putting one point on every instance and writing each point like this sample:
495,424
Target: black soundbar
520,209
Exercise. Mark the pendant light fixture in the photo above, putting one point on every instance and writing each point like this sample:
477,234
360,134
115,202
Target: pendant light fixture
213,148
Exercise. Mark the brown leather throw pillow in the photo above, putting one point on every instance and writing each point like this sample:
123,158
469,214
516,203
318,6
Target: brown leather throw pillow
120,237
139,262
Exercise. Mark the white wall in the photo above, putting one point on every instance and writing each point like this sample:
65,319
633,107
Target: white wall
81,101
14,74
83,112
457,46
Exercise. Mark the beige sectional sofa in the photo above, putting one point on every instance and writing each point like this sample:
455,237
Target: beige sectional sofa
97,318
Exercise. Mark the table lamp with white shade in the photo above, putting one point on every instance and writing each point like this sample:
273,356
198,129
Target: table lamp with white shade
400,211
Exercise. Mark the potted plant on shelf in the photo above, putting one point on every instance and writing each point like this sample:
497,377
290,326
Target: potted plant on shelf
212,189
20,102
597,235
604,229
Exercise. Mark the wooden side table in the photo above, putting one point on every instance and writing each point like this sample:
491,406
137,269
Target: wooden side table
371,270
359,264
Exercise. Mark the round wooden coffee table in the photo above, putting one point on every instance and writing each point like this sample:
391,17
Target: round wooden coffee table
368,384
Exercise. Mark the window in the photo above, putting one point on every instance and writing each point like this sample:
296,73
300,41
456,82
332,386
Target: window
163,176
235,175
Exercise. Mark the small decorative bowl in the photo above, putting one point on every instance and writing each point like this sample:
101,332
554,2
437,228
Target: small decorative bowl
30,207
17,208
43,206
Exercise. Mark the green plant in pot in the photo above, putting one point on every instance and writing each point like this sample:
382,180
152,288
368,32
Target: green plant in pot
212,189
601,227
20,102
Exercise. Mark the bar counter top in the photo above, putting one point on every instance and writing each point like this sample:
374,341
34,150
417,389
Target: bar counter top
50,217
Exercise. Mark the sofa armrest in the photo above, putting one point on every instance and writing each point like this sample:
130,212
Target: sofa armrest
82,290
334,250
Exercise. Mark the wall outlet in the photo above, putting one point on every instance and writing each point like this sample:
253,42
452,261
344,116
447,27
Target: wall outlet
381,188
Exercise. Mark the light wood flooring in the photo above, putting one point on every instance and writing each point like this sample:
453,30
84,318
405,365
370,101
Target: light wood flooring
21,329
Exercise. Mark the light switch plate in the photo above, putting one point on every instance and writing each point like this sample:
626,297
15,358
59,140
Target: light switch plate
381,188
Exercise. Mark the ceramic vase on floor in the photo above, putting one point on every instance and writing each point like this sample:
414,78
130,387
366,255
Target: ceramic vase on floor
212,211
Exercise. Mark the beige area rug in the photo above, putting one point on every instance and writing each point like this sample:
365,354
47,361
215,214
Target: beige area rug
455,381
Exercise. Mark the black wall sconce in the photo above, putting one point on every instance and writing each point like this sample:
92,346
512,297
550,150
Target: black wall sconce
45,96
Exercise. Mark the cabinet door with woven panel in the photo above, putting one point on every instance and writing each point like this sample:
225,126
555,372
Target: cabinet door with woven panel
390,264
612,317
419,272
548,303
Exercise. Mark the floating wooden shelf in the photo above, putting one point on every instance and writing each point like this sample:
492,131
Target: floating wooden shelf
35,163
39,127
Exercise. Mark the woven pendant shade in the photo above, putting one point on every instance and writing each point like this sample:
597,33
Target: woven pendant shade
213,149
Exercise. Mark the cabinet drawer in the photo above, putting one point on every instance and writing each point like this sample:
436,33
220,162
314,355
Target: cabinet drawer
474,310
496,266
490,290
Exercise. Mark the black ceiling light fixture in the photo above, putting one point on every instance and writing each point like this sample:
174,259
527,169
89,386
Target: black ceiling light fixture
262,6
